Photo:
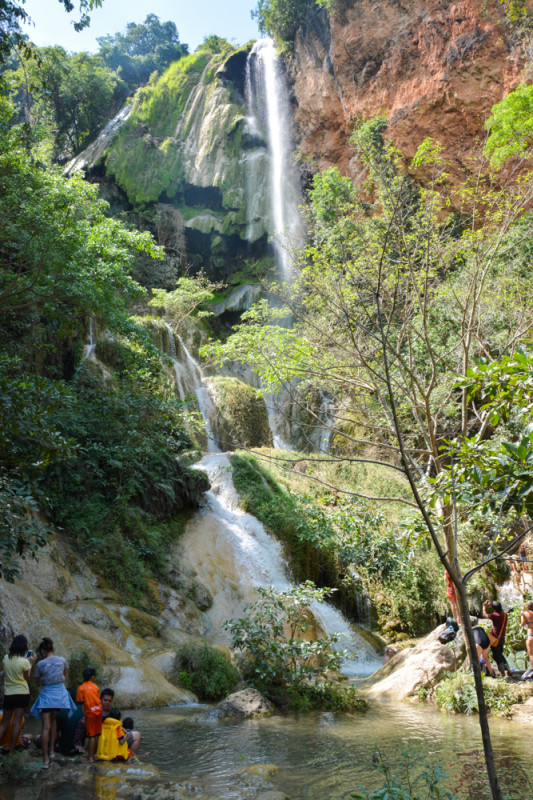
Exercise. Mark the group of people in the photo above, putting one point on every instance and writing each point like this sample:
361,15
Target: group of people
492,642
66,722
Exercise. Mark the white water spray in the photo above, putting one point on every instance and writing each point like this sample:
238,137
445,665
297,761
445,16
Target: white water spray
90,347
268,102
191,382
232,554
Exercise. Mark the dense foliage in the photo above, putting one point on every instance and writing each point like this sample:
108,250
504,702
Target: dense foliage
71,96
280,654
281,19
457,694
206,671
141,50
115,487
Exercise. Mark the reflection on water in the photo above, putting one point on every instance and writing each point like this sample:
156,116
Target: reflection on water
321,756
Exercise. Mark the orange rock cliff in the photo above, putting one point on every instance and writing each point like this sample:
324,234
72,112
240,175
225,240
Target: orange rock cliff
434,67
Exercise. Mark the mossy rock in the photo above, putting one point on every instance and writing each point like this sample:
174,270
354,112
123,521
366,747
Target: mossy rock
242,418
141,623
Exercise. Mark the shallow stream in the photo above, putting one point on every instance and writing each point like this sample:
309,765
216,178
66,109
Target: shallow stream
324,756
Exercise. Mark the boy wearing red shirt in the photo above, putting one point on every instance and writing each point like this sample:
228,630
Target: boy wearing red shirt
89,695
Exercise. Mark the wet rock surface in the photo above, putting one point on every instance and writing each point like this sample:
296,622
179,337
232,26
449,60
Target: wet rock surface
80,613
71,778
246,703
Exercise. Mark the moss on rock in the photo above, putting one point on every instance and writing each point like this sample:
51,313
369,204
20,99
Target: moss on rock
242,418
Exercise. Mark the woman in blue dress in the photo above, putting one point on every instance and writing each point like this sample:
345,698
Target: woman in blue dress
53,696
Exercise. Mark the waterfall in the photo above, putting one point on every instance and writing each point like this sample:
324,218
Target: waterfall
268,102
232,554
90,347
190,381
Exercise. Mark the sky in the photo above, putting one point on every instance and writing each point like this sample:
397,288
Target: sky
194,20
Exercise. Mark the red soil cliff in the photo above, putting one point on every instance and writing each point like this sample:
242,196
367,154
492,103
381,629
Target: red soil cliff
434,67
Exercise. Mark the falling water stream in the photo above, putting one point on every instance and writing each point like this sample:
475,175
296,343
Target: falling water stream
232,554
268,103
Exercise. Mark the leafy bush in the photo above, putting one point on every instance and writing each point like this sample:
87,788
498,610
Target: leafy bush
411,779
270,639
457,694
206,671
77,662
325,696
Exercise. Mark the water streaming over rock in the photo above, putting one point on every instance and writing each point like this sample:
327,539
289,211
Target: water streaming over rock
232,554
90,347
191,382
94,152
268,102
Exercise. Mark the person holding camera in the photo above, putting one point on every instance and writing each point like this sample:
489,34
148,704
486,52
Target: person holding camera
17,666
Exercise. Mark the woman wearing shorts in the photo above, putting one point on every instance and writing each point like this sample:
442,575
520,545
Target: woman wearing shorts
17,670
483,645
53,696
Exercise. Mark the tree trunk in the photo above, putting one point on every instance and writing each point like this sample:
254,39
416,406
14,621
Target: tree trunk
483,716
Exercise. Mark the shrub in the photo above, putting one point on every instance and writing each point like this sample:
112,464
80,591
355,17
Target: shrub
206,671
457,694
326,697
271,639
77,662
411,779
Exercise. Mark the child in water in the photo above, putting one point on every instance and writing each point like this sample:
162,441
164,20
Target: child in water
89,695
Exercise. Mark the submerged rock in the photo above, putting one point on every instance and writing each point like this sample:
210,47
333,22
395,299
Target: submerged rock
420,667
246,703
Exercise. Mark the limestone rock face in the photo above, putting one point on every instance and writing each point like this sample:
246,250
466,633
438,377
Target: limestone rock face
246,703
433,67
415,668
80,613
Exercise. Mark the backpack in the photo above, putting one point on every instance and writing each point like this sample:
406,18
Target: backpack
447,636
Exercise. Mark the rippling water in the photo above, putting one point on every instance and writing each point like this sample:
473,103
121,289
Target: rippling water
321,756
324,756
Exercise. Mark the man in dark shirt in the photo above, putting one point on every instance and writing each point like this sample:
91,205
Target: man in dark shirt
498,617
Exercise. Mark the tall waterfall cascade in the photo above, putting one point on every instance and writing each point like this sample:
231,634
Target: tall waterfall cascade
232,554
228,550
268,103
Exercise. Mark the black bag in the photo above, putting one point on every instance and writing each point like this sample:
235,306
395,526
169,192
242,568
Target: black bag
447,636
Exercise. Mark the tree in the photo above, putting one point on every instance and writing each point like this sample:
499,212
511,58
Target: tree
141,50
281,18
61,259
186,299
401,290
71,95
12,14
